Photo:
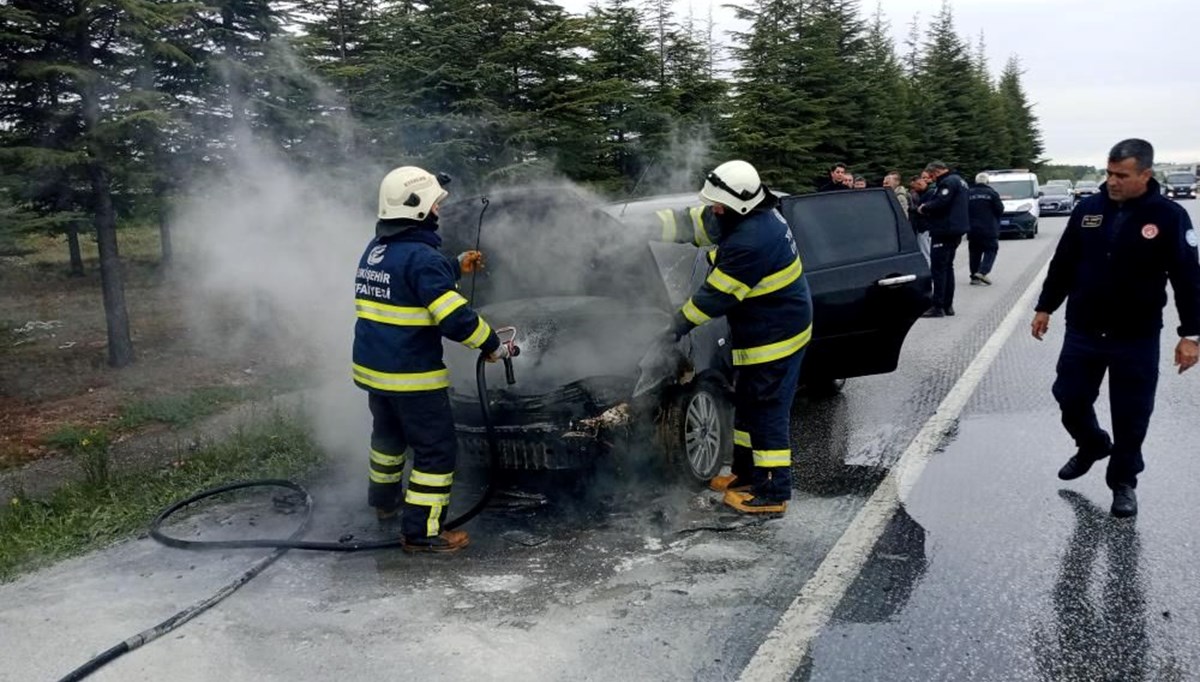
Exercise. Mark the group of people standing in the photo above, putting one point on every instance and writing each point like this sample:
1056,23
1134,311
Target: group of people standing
943,208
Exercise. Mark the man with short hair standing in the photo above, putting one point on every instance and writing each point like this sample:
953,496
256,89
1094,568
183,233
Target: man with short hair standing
837,179
1112,264
948,219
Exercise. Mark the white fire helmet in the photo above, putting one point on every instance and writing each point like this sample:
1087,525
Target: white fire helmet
409,192
734,184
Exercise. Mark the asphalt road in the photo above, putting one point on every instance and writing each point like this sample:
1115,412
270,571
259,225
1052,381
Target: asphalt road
983,567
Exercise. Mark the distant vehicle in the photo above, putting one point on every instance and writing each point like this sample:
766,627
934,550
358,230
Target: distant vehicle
1018,188
1056,200
1085,188
1060,183
1180,185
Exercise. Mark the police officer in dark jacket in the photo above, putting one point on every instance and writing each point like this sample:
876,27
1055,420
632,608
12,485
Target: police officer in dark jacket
985,207
757,282
948,219
406,298
1121,247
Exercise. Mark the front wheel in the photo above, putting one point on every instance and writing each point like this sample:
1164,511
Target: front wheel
700,431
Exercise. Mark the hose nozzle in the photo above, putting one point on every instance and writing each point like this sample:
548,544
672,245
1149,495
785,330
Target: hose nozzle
513,351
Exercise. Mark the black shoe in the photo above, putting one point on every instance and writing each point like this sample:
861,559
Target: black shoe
949,311
1082,462
934,312
1124,502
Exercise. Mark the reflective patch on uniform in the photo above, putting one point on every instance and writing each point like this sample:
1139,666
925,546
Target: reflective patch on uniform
1150,231
376,255
1191,238
1092,220
945,191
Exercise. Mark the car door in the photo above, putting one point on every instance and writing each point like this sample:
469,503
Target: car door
868,278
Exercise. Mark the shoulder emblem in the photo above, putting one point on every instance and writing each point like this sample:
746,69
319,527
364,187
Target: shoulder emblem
1150,231
376,255
1190,236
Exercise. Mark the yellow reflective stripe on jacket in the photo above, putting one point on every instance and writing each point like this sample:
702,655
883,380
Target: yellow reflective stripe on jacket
381,459
446,304
481,333
377,477
670,228
741,438
712,256
772,458
772,351
392,314
694,314
422,478
777,280
402,382
426,499
726,284
701,234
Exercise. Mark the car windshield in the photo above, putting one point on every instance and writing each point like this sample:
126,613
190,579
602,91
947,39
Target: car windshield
1014,189
1181,178
1086,184
1056,190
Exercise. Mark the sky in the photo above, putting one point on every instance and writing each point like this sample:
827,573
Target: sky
1096,71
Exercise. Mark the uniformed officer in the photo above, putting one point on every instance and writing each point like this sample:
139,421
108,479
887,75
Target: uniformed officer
947,218
1112,263
984,206
406,298
757,282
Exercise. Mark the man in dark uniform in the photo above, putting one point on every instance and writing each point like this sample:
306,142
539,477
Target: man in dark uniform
948,220
985,207
757,282
1112,264
406,299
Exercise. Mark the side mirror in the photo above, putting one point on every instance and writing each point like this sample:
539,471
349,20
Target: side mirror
1041,194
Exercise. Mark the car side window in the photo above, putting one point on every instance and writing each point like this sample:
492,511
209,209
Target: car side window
845,227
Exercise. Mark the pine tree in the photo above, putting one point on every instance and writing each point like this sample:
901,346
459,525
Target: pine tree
952,127
887,120
89,51
774,123
1027,148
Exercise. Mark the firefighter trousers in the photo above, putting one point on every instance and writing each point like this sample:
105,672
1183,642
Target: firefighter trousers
420,426
762,447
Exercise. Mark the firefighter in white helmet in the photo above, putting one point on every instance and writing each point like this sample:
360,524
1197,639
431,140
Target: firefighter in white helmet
407,299
757,282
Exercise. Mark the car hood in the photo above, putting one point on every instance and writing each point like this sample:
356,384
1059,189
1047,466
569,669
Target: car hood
565,340
1014,205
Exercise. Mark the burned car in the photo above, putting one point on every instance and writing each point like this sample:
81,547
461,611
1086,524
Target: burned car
589,291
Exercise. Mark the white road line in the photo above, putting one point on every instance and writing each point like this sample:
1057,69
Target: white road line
784,649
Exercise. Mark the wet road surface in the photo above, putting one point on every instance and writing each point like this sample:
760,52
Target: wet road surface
991,570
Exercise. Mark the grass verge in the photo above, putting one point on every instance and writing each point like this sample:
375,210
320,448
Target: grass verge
87,515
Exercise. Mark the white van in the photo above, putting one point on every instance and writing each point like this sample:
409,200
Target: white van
1019,190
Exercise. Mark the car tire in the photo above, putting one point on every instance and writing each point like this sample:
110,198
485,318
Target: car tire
699,438
824,388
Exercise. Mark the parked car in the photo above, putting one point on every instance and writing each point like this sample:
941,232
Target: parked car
588,292
1061,183
1085,188
1056,200
1180,185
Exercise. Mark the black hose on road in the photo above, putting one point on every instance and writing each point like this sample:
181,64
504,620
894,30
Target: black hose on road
281,546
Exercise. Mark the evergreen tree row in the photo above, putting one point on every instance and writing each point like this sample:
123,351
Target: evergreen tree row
108,108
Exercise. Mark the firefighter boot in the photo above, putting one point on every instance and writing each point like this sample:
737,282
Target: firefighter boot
748,503
728,482
444,542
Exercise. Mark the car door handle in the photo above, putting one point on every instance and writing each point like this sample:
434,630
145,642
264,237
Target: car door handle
896,281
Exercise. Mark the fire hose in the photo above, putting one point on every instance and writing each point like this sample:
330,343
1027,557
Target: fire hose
295,540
